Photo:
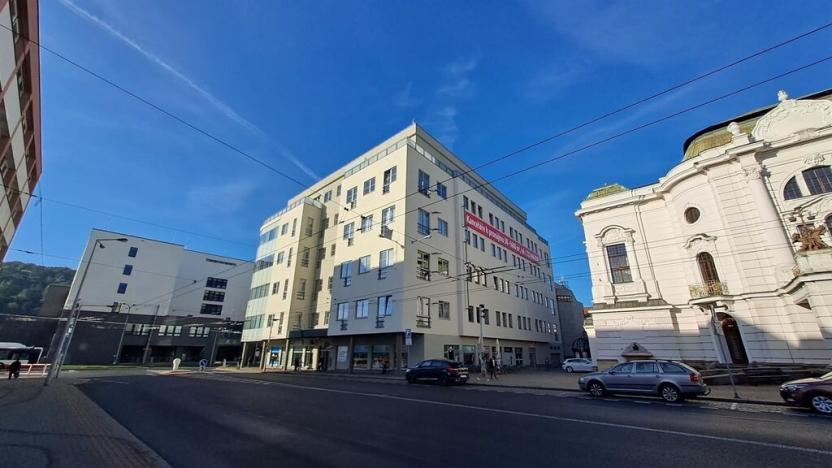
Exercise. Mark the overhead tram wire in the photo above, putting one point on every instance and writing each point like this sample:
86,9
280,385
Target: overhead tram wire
510,154
626,132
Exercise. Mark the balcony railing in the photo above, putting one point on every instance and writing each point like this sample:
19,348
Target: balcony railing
708,289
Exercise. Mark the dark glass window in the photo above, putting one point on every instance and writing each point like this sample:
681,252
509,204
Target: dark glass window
691,215
211,309
217,283
442,190
646,368
122,288
818,179
128,269
215,296
625,368
707,267
133,251
670,368
424,183
792,190
619,265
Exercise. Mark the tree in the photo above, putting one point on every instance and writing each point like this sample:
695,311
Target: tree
22,285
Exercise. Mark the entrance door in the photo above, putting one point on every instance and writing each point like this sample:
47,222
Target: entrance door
733,339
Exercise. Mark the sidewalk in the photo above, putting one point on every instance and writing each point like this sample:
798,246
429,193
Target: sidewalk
58,426
557,379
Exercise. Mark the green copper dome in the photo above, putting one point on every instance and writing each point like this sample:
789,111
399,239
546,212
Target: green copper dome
608,189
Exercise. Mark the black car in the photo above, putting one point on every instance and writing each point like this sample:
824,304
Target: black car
815,393
438,370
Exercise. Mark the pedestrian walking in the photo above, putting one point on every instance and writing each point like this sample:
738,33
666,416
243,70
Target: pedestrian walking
547,364
385,363
297,363
491,365
14,369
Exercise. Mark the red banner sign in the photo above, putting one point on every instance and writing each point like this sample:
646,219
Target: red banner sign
495,235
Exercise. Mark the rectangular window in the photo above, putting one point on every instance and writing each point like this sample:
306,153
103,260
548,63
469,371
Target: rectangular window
385,306
271,234
122,288
389,178
301,292
444,310
442,227
362,308
387,216
465,202
385,261
133,252
128,270
444,266
276,287
329,284
289,258
285,289
211,309
294,226
510,321
304,257
364,264
328,196
349,232
279,259
344,311
424,183
352,197
423,265
338,191
367,223
264,262
470,313
619,265
346,273
493,249
423,226
369,185
217,283
214,296
442,190
199,332
332,250
310,225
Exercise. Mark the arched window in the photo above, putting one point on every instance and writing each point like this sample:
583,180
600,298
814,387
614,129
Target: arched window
818,179
792,190
707,268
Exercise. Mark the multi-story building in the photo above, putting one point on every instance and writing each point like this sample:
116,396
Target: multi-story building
403,254
171,300
20,141
725,258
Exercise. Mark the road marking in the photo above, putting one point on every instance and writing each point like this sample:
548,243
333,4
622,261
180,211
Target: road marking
111,381
542,416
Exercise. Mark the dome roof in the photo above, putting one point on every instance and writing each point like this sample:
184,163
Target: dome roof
608,189
718,134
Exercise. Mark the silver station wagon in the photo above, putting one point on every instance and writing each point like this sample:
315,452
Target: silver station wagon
670,380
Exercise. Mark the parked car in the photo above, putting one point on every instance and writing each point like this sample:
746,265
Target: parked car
578,365
672,381
814,392
437,370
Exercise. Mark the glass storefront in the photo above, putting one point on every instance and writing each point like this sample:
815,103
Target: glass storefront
469,352
360,357
381,354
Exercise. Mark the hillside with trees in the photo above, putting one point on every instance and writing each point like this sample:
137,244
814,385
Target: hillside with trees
22,285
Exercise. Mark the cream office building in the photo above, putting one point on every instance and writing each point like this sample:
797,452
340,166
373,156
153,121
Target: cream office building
374,266
707,264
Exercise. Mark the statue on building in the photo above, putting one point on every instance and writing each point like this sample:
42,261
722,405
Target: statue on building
809,238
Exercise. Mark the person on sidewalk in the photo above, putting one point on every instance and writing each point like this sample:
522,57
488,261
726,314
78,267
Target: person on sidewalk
385,363
297,364
491,365
14,369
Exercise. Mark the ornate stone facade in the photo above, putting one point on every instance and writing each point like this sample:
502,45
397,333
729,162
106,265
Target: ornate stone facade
701,266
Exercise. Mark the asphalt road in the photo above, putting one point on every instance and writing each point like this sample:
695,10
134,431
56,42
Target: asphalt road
213,420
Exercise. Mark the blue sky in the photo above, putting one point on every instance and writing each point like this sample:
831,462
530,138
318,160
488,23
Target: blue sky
308,86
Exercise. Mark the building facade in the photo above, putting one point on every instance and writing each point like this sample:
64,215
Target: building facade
400,256
155,301
724,259
20,133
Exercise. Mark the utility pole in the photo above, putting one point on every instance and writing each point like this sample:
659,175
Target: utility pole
66,339
722,349
150,335
270,322
121,338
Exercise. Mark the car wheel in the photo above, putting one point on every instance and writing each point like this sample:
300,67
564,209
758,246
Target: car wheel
410,379
596,389
569,369
443,380
821,403
670,393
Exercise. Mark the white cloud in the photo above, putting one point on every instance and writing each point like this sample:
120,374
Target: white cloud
456,83
224,198
454,87
550,82
221,106
405,97
442,124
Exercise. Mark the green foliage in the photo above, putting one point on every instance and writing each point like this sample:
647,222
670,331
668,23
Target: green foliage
22,285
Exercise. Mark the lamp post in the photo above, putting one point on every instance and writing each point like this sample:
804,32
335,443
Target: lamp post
121,337
722,349
66,339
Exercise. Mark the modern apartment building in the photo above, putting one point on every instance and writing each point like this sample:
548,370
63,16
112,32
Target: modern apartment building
20,140
158,300
403,254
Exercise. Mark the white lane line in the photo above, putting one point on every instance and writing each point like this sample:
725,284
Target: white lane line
554,418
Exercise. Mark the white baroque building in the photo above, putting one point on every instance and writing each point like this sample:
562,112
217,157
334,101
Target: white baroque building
702,265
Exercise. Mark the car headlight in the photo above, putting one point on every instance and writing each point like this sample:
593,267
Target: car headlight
792,387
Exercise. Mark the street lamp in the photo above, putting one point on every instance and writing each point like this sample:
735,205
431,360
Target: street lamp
121,338
66,339
727,357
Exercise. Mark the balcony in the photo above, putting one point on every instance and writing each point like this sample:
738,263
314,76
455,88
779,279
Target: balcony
708,289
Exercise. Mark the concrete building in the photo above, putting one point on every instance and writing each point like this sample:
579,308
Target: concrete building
160,300
20,134
725,258
404,241
571,314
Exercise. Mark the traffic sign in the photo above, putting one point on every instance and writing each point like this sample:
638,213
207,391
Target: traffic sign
408,337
